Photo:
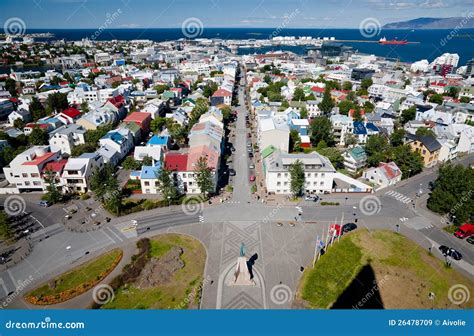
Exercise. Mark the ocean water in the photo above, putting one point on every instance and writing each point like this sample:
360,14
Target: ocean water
432,42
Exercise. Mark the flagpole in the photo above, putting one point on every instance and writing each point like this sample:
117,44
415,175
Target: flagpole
342,221
316,250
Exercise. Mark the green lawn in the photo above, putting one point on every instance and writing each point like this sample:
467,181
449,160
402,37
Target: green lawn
411,273
181,293
88,273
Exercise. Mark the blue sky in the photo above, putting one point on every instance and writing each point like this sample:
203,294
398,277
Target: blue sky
223,13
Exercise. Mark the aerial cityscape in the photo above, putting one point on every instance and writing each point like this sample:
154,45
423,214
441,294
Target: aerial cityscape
282,162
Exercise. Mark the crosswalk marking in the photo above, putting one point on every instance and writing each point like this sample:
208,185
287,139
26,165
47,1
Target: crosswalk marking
399,197
201,219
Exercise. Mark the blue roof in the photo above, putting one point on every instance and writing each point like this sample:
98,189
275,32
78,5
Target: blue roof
359,128
372,127
158,140
135,173
149,172
114,136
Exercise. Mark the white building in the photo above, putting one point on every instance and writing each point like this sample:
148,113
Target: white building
78,171
319,172
65,138
25,170
386,174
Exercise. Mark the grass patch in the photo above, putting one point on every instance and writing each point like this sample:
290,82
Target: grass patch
408,271
450,228
322,285
329,203
184,289
76,281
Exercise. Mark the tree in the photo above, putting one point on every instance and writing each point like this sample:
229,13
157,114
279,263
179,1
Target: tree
209,89
10,86
452,92
368,107
19,123
377,149
157,124
451,193
36,109
304,113
295,141
103,182
203,176
397,137
347,86
84,107
298,95
147,161
409,162
53,195
327,104
345,106
84,148
166,184
131,164
424,131
161,88
334,155
408,115
297,178
357,115
5,228
436,98
321,129
38,137
57,101
465,100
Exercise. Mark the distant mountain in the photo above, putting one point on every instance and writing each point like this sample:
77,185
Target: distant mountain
432,23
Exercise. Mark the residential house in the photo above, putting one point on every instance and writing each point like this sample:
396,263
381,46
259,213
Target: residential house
427,146
385,175
65,138
355,159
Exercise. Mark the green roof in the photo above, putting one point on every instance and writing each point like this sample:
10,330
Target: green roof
268,151
358,153
168,94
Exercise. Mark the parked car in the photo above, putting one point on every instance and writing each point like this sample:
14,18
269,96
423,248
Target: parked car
470,240
250,150
464,231
450,252
348,227
252,178
250,155
251,166
232,172
44,204
312,198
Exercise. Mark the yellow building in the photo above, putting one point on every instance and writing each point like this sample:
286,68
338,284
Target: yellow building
427,146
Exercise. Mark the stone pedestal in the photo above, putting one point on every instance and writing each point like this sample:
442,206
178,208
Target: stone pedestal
242,274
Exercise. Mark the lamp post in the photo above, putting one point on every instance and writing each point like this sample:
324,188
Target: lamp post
169,200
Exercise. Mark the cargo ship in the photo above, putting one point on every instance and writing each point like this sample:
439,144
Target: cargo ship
385,41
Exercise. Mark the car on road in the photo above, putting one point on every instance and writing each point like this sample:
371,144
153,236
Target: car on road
348,227
250,155
252,178
311,198
464,231
470,240
450,252
232,172
251,166
44,204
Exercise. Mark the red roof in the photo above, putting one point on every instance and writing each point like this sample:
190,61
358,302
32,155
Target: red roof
390,169
34,125
71,112
14,100
176,161
117,101
138,117
317,89
351,112
222,93
56,166
39,159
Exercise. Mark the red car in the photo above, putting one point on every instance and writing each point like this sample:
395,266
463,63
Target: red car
252,178
464,231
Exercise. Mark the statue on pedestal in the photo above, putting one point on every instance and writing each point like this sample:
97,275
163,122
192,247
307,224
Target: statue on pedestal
242,275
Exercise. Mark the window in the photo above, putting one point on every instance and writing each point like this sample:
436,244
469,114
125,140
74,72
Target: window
24,175
321,183
147,184
285,184
322,175
278,184
279,175
34,175
36,183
